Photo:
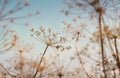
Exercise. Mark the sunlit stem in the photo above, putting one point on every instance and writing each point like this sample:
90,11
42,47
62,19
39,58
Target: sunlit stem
12,76
79,57
40,61
60,75
117,54
109,42
21,65
114,74
102,42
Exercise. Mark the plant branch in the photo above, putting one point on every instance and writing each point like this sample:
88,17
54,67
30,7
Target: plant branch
79,57
101,42
40,61
117,54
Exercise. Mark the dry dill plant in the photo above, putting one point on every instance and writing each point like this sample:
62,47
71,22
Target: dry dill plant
22,48
111,37
5,39
75,29
50,39
100,9
76,33
61,65
7,16
18,62
28,66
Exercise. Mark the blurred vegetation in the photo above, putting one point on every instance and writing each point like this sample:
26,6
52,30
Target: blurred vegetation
87,47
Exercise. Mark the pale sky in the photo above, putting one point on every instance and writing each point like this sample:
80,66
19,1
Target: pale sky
50,17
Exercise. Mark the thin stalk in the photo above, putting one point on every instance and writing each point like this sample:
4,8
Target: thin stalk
60,75
21,65
114,74
40,61
101,42
79,57
12,76
117,54
109,42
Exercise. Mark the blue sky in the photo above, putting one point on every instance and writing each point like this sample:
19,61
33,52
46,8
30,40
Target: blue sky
50,16
50,12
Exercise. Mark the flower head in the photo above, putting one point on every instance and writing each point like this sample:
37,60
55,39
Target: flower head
48,37
74,29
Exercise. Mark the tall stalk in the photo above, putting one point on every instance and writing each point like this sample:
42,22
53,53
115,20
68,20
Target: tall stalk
21,65
117,54
60,75
40,61
7,72
79,57
101,42
114,74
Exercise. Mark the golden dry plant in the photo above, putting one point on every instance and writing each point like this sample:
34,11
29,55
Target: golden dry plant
5,39
88,46
21,64
7,17
101,13
50,39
